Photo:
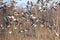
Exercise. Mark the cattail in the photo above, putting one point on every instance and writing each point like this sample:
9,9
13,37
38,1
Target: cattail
58,3
28,3
31,4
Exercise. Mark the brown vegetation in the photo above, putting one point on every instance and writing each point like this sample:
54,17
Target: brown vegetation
25,31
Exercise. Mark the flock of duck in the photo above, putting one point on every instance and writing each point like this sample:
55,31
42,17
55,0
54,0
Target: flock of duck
27,20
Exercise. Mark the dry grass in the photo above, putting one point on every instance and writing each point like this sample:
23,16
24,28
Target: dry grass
39,34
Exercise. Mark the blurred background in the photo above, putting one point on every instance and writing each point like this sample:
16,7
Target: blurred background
30,20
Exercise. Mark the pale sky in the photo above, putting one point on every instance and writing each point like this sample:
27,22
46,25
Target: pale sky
22,3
